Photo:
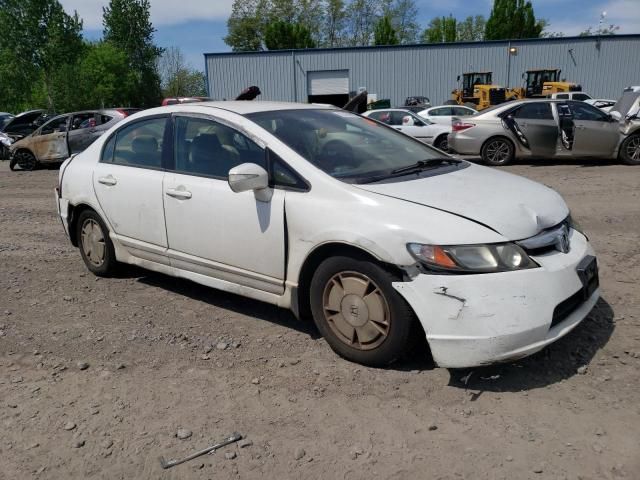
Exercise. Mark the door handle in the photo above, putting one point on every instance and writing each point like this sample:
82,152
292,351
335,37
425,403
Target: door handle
108,180
179,194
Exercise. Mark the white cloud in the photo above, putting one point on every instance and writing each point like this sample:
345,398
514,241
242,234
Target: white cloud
163,12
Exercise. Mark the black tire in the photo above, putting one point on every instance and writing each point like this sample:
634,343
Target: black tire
442,142
630,150
378,298
25,160
100,261
497,151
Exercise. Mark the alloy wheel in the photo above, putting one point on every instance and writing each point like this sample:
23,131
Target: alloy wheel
356,310
498,151
93,242
633,149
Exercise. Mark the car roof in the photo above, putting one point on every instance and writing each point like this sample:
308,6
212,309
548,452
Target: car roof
243,107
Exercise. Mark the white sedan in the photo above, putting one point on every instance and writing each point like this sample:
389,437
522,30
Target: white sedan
444,114
376,236
411,124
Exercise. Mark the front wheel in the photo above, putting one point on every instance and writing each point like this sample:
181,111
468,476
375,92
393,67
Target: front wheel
95,245
25,160
442,143
358,312
497,152
630,150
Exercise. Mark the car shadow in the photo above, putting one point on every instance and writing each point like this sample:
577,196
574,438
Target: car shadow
531,162
221,299
559,361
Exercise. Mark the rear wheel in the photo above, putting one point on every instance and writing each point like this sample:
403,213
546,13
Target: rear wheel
25,160
630,150
358,312
497,151
442,142
95,245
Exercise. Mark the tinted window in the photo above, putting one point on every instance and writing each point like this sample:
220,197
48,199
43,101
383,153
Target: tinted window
140,144
105,119
584,111
562,95
438,112
534,111
581,96
83,120
107,151
205,147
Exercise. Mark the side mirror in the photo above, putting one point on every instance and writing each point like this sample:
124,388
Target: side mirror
250,176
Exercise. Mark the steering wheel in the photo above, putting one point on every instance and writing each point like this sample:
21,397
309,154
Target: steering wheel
335,154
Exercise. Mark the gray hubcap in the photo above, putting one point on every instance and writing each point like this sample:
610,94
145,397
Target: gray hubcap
498,151
633,149
356,310
93,242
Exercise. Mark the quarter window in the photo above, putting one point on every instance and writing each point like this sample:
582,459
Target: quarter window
205,147
534,111
139,144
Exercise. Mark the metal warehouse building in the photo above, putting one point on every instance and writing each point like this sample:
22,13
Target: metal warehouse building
602,65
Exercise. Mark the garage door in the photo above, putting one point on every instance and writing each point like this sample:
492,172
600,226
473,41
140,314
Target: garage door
328,82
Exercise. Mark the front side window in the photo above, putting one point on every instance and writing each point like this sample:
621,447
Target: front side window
83,120
139,144
584,111
205,147
346,146
55,125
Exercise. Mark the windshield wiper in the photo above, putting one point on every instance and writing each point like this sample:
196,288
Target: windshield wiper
424,164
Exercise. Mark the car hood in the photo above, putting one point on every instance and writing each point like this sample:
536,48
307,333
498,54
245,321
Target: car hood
25,118
511,205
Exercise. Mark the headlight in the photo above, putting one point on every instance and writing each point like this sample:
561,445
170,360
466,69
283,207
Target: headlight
501,257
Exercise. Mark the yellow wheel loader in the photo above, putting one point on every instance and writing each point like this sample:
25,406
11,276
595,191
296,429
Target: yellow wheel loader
477,91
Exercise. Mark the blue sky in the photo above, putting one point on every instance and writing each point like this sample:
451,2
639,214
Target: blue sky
198,26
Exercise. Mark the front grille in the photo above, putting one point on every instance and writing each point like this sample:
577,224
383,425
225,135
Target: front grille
567,307
497,96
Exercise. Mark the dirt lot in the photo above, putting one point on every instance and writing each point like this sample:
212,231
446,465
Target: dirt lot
165,355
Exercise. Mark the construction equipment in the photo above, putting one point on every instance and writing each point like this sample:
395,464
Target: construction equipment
477,91
542,83
234,437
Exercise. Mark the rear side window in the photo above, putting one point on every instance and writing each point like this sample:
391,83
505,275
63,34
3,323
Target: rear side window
139,144
581,96
439,112
461,112
107,151
584,111
105,119
534,111
562,96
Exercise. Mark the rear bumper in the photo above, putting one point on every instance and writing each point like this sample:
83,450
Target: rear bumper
473,320
464,145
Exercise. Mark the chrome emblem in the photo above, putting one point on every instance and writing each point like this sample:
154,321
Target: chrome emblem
562,240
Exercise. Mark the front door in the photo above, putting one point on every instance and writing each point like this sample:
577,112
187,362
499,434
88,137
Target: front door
128,184
596,135
83,125
539,128
51,142
212,230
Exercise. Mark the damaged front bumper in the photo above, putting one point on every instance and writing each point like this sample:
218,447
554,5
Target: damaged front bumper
473,320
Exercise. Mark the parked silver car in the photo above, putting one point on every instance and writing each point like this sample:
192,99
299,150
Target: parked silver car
541,129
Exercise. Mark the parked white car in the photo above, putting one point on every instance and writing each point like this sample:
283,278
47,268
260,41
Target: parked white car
580,96
411,124
377,236
603,104
444,114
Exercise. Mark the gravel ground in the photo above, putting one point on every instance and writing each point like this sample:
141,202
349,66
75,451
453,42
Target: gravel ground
99,377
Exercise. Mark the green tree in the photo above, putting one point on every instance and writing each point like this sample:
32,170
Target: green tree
471,29
281,35
244,26
384,33
440,29
601,30
511,19
39,40
333,23
360,19
403,14
177,78
128,27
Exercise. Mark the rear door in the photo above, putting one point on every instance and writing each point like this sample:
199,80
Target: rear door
441,115
597,135
83,125
538,126
128,185
51,143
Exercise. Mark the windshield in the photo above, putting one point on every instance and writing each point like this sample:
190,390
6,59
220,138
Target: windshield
346,146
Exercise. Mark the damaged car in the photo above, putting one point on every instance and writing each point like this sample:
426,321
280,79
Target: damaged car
547,129
63,136
15,128
378,237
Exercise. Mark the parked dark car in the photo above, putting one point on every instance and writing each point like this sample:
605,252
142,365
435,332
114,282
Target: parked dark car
5,117
63,136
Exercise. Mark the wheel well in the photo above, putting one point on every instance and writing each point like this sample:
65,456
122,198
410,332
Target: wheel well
320,254
74,213
439,137
24,150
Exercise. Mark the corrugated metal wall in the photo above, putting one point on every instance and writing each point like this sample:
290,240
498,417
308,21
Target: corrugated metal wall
604,66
